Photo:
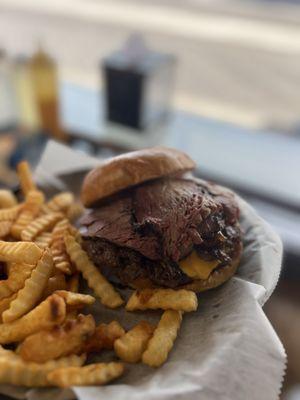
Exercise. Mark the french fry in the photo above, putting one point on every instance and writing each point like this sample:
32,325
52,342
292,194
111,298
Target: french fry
23,220
5,227
39,225
5,303
58,342
13,370
5,291
55,282
17,275
75,299
62,262
25,177
28,297
93,374
131,346
104,337
60,202
33,201
165,299
7,199
74,212
20,252
47,314
60,228
163,339
10,214
58,248
30,210
43,240
102,288
73,283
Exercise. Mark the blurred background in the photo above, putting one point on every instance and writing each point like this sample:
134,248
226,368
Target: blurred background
218,79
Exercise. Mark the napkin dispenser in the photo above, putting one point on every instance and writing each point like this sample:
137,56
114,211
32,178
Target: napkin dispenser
138,85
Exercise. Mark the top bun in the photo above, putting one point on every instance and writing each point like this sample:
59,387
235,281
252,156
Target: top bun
130,169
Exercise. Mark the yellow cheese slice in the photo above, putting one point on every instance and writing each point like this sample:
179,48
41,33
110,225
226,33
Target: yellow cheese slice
197,268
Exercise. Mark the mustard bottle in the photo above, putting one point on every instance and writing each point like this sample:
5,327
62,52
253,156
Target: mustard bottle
45,84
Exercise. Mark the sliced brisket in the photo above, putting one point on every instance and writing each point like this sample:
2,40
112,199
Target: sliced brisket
147,230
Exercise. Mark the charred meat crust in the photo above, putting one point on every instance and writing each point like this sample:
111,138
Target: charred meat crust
122,266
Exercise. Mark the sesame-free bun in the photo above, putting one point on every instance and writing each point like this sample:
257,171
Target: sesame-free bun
130,169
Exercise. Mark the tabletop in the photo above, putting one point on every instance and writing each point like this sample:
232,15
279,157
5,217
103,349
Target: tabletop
256,161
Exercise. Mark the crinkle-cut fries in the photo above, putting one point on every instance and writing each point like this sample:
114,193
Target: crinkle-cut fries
42,308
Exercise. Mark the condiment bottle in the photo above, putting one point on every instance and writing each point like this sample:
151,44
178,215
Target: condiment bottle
45,84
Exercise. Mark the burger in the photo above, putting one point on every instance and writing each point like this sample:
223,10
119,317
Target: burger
151,223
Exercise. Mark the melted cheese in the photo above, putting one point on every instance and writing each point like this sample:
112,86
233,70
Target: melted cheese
194,267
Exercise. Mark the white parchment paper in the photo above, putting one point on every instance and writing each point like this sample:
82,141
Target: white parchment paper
226,350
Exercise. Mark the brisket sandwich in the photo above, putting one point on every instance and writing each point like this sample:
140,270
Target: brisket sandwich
152,224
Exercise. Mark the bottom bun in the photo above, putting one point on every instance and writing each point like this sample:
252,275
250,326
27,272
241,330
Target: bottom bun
216,278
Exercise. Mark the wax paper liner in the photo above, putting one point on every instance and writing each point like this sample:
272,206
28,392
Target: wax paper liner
226,350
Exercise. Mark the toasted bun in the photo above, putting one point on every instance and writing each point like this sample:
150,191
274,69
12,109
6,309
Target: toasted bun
216,278
130,169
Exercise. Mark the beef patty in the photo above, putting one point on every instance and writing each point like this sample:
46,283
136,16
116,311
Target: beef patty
147,230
